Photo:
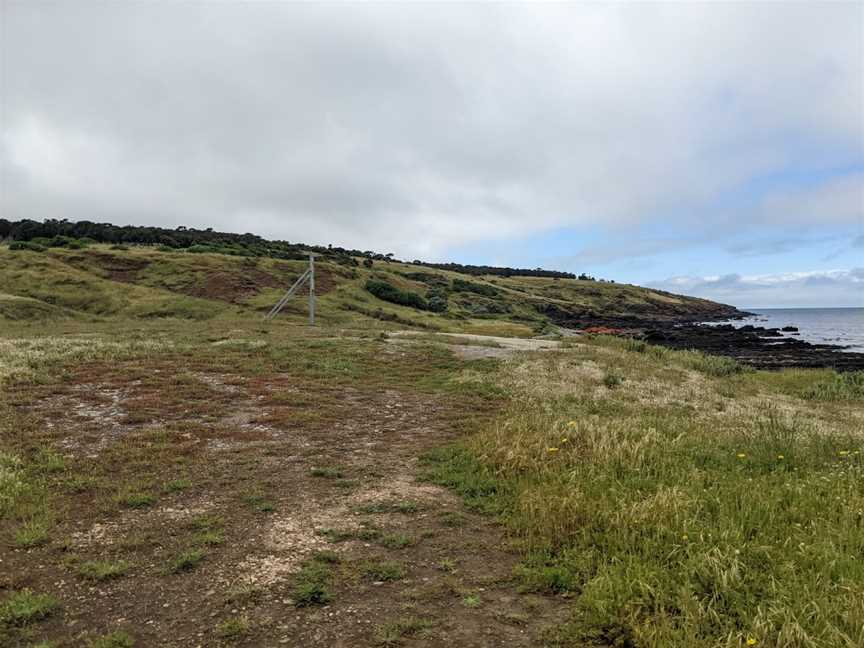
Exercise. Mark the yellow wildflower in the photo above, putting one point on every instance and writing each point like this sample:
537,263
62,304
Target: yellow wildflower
751,641
564,440
551,449
741,455
780,456
684,537
843,453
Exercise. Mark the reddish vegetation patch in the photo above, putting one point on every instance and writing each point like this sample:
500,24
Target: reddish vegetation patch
603,330
233,288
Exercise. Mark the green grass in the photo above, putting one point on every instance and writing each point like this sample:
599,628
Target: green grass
839,387
33,532
233,627
667,520
207,530
407,507
393,633
102,570
472,601
186,561
260,503
327,556
177,485
25,607
327,472
116,639
396,541
135,499
382,570
312,584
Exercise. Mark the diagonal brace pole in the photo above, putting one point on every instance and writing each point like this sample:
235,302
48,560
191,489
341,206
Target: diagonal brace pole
281,303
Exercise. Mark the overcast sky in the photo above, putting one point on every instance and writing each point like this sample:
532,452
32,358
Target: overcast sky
715,149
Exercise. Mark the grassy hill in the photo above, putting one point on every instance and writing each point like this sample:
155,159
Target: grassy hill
144,282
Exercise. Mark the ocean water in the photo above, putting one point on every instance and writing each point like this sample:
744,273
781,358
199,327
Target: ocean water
842,326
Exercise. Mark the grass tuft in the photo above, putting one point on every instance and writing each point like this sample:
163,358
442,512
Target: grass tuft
25,607
116,639
392,634
186,561
311,585
233,628
101,570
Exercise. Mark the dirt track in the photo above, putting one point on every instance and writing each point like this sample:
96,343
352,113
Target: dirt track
288,468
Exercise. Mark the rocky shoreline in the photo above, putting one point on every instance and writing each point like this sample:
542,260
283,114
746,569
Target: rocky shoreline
760,347
764,348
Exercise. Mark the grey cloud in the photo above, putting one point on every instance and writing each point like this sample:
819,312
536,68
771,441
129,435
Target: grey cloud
414,128
828,289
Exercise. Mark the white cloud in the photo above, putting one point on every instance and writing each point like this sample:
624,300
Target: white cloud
414,128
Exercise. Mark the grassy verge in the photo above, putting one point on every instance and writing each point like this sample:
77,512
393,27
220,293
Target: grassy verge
690,503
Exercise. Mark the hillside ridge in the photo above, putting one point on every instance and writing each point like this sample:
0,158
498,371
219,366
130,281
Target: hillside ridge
140,281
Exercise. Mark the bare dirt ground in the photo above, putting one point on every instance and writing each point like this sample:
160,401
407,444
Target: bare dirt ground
260,475
469,346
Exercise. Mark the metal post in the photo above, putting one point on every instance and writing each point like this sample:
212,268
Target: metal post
311,290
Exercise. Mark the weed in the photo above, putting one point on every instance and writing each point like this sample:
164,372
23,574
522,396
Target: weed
233,627
337,535
328,473
24,607
382,570
311,585
325,556
135,499
260,503
209,537
116,639
391,634
177,485
387,507
186,561
79,483
452,519
396,541
612,380
471,601
101,570
32,533
447,565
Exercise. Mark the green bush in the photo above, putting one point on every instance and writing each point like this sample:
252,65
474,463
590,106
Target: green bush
26,245
389,293
460,285
437,300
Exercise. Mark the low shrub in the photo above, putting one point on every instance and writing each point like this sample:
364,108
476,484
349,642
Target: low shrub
460,285
26,245
389,293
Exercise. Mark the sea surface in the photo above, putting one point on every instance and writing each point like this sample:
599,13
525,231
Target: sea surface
842,326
